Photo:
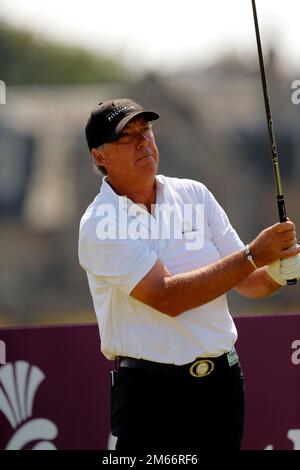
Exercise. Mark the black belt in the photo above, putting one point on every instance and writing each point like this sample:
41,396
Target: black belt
200,367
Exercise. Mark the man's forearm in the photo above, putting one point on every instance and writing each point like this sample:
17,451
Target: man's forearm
191,289
175,294
257,285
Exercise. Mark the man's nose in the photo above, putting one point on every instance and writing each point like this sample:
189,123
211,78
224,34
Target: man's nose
142,140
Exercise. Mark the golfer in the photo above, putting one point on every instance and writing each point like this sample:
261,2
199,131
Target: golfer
160,255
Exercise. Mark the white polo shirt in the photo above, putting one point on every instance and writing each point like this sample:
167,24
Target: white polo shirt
118,246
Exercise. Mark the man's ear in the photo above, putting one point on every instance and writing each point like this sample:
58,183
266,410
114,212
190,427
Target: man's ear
98,156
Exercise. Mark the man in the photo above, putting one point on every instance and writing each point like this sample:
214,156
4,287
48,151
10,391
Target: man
160,256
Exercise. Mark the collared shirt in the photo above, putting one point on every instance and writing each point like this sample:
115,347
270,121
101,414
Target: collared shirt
119,243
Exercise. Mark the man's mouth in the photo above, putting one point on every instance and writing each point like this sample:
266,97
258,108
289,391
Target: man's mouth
145,156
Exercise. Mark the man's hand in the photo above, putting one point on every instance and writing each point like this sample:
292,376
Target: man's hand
282,270
273,270
276,242
290,268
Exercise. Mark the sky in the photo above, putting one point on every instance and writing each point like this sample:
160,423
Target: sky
163,34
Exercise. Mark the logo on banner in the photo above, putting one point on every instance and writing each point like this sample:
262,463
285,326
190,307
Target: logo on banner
19,382
294,436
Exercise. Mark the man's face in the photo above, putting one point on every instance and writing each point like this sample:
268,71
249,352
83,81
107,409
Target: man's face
134,155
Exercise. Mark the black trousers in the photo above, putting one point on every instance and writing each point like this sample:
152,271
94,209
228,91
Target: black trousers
154,411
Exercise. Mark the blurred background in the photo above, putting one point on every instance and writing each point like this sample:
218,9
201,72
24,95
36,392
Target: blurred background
196,64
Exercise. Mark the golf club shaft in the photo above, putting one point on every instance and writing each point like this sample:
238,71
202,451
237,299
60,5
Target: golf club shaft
279,192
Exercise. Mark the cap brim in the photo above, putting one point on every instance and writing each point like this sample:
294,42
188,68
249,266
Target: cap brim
149,115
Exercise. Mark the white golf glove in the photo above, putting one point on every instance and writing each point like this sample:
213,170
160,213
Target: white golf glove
290,267
284,269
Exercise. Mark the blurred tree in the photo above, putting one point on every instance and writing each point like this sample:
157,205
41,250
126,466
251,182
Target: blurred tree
26,59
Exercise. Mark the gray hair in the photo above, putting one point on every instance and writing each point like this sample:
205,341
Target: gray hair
99,169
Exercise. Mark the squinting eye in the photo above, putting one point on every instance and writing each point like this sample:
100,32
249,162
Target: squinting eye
124,138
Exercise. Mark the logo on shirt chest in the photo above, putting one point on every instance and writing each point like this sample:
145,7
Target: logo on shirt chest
188,227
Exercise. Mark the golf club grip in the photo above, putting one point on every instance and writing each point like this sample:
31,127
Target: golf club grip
283,218
281,208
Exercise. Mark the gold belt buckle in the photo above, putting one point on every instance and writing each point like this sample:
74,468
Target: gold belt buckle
202,368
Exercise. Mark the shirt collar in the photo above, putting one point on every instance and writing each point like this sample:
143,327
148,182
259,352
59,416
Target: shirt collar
108,192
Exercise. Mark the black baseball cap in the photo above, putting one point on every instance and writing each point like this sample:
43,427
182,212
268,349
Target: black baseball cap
109,118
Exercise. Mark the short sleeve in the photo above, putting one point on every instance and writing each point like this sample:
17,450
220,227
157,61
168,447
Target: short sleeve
224,235
123,263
